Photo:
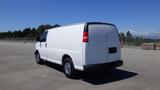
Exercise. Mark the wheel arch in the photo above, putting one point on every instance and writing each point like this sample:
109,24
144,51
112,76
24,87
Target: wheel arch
73,70
66,56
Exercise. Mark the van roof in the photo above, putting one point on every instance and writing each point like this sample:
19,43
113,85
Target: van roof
83,23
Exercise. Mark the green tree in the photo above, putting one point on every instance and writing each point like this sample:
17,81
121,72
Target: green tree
33,32
122,36
129,37
26,32
9,34
17,34
42,28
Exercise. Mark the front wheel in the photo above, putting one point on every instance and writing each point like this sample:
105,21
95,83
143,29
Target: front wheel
38,59
68,68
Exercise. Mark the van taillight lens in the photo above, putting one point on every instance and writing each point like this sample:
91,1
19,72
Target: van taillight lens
85,36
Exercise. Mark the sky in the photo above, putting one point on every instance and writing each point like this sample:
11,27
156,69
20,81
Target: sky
135,15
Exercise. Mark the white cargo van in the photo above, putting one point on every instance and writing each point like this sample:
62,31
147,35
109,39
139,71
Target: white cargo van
85,46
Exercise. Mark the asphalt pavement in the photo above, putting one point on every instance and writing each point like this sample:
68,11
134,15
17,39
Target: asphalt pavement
19,71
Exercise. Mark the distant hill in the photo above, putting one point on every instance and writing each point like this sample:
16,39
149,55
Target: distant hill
147,34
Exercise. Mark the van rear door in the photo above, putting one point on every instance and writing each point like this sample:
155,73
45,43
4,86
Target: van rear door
113,43
103,43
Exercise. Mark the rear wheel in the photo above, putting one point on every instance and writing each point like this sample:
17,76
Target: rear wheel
68,68
38,59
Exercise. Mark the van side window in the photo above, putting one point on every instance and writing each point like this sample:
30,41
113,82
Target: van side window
43,36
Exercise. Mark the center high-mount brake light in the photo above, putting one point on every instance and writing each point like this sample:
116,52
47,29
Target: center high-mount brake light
85,36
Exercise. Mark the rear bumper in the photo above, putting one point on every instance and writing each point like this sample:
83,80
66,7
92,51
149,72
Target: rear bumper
104,66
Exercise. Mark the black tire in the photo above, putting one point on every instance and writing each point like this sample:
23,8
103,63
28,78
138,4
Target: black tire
38,59
68,68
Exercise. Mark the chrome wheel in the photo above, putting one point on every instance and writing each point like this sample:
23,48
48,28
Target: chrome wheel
67,68
37,58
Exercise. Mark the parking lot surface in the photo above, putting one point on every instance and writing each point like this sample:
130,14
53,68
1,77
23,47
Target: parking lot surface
19,71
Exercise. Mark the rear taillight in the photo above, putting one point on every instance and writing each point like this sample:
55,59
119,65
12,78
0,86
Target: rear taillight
85,36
